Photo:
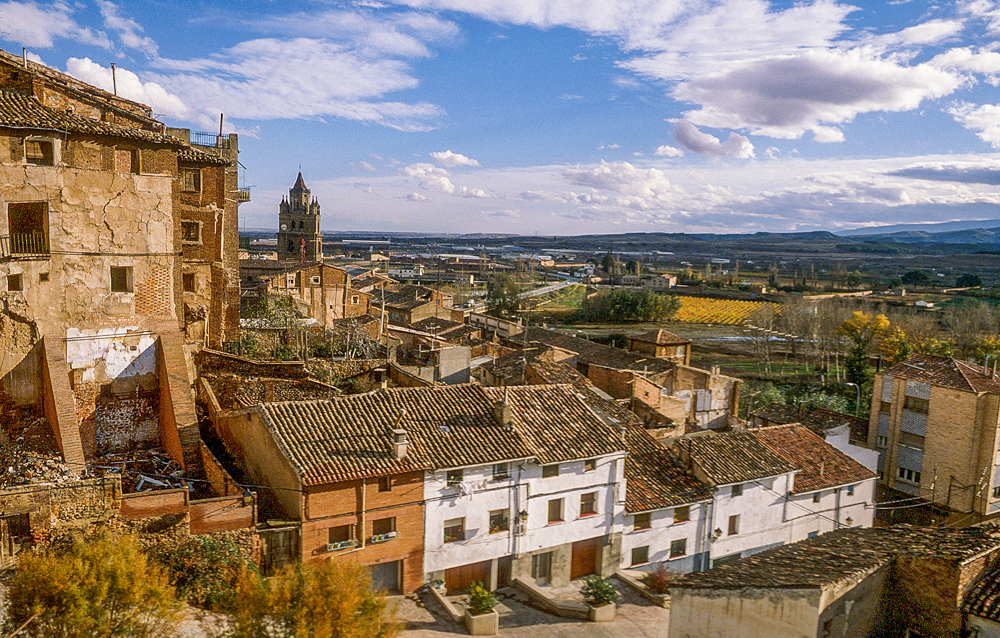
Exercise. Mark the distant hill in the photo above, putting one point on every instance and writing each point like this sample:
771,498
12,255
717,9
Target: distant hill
925,229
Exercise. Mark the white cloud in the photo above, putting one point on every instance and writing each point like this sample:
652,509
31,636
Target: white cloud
430,176
925,33
688,135
668,151
272,78
130,86
970,60
129,31
786,96
986,10
417,197
984,120
636,187
35,25
451,160
365,166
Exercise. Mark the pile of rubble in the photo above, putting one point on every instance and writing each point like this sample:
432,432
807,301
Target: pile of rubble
142,470
19,468
29,454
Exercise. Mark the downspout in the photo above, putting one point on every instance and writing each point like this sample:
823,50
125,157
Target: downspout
361,527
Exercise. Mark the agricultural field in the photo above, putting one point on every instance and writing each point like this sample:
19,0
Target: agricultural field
718,311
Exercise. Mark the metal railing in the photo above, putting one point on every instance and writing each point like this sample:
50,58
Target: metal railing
243,194
24,245
210,139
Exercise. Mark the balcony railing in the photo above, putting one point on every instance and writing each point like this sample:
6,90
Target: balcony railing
210,139
24,245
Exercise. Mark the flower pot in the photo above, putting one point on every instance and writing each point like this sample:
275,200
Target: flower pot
602,613
487,624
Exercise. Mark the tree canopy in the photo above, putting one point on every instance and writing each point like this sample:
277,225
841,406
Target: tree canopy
502,297
968,281
916,278
623,305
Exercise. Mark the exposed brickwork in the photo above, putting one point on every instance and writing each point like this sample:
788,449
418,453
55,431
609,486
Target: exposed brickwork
152,296
59,403
177,407
85,395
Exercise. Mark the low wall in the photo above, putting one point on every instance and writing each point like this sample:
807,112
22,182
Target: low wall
222,514
156,503
404,379
563,608
215,361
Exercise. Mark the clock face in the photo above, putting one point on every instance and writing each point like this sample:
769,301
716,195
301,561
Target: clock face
284,227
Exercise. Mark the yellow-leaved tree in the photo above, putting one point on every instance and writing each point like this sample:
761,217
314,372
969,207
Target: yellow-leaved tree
862,329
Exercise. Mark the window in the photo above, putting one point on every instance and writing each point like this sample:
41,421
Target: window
881,441
678,548
816,497
737,490
909,475
187,281
812,534
913,440
191,181
550,471
913,404
454,477
588,504
28,225
340,534
501,472
850,490
454,530
590,465
499,521
640,555
315,279
43,276
190,232
734,524
121,279
126,160
385,484
15,282
996,492
39,152
555,510
355,300
383,526
642,521
541,566
885,407
682,513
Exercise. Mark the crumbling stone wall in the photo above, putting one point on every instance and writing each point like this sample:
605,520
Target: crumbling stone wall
212,361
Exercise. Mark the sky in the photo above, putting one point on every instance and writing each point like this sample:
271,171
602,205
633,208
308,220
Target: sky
561,117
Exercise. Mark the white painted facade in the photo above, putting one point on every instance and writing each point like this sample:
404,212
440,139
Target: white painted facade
840,438
664,530
524,491
759,509
845,506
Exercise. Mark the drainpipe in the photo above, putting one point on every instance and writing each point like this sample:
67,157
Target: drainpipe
361,527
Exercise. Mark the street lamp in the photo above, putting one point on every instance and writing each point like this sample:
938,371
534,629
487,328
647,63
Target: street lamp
857,398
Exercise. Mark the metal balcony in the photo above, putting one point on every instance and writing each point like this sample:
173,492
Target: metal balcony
24,246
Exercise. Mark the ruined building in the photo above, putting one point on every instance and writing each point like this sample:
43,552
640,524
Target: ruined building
117,244
299,238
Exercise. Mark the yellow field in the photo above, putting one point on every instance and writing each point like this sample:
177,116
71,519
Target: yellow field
720,311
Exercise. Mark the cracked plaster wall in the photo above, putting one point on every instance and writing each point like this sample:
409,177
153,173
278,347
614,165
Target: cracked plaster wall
97,218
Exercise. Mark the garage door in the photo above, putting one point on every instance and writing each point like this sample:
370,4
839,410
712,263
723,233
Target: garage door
458,579
385,576
584,559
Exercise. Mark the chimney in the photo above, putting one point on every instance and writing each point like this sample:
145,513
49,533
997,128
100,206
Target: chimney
502,415
622,429
399,443
822,466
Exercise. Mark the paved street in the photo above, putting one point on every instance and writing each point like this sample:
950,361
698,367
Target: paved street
636,618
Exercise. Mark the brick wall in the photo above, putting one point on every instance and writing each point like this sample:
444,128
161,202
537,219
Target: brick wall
222,514
617,383
214,361
156,503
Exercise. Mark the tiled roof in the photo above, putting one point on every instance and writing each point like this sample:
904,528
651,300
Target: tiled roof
447,426
733,457
779,413
947,372
200,157
596,353
661,338
435,325
402,296
654,479
840,554
557,425
984,598
821,466
818,420
21,111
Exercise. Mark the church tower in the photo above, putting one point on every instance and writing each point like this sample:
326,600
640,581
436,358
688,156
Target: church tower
299,239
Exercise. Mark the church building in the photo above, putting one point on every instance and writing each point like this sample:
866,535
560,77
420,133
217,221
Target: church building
299,238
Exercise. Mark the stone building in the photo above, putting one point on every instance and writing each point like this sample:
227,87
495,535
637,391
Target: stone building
299,237
935,422
94,209
662,344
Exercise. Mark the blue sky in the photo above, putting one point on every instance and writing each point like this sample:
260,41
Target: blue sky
566,116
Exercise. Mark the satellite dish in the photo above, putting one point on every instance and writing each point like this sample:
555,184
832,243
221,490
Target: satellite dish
284,227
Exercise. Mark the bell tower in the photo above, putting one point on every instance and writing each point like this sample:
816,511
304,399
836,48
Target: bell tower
299,238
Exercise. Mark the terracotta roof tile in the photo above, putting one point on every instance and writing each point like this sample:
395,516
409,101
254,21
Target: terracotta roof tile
595,353
840,554
661,338
654,479
200,157
947,372
821,466
984,598
21,111
733,457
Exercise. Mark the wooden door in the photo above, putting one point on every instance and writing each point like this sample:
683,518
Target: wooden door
458,579
584,558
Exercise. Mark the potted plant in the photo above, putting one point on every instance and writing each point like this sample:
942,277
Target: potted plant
600,597
481,619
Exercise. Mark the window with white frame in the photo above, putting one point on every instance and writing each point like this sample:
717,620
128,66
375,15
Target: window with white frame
908,475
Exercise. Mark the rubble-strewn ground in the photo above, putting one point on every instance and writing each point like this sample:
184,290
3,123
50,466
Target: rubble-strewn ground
28,450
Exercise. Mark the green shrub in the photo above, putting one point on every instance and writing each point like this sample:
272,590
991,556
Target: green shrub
598,591
481,600
205,571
